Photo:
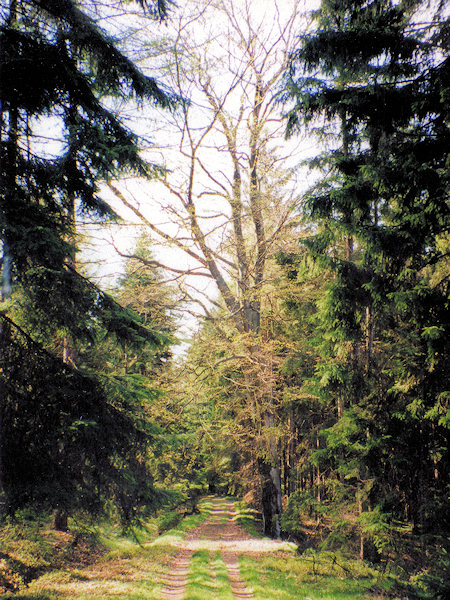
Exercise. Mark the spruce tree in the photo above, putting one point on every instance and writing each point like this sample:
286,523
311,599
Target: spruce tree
375,78
58,67
59,75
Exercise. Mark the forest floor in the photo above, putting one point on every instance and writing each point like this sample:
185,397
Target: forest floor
209,556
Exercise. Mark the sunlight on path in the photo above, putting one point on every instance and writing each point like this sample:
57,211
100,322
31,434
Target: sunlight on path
238,587
176,581
247,546
218,533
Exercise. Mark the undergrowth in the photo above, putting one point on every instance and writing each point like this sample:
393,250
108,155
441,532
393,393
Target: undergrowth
92,561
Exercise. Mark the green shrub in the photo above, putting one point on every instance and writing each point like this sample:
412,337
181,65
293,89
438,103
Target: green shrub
168,520
433,583
291,519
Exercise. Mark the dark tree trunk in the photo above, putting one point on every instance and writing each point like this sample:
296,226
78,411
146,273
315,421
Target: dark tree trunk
270,498
59,521
4,342
10,181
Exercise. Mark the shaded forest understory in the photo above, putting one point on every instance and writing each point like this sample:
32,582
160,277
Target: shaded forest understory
280,178
200,555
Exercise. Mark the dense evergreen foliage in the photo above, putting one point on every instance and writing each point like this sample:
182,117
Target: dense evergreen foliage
58,67
379,322
63,433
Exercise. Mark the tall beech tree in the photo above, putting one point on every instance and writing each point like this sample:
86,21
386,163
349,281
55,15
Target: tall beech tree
59,139
374,77
229,198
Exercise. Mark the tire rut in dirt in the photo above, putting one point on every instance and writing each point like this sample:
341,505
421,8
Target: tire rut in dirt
238,587
219,526
176,581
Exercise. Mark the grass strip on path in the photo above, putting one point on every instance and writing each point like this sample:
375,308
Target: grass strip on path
223,581
208,577
201,584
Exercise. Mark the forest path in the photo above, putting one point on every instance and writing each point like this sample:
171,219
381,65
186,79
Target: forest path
220,534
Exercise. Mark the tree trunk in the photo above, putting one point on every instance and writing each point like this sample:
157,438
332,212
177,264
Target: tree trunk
4,341
291,455
59,520
272,480
369,338
270,498
68,351
360,512
11,181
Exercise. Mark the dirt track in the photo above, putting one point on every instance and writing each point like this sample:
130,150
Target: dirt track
219,532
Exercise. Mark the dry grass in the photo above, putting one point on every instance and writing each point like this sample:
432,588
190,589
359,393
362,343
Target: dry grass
134,576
